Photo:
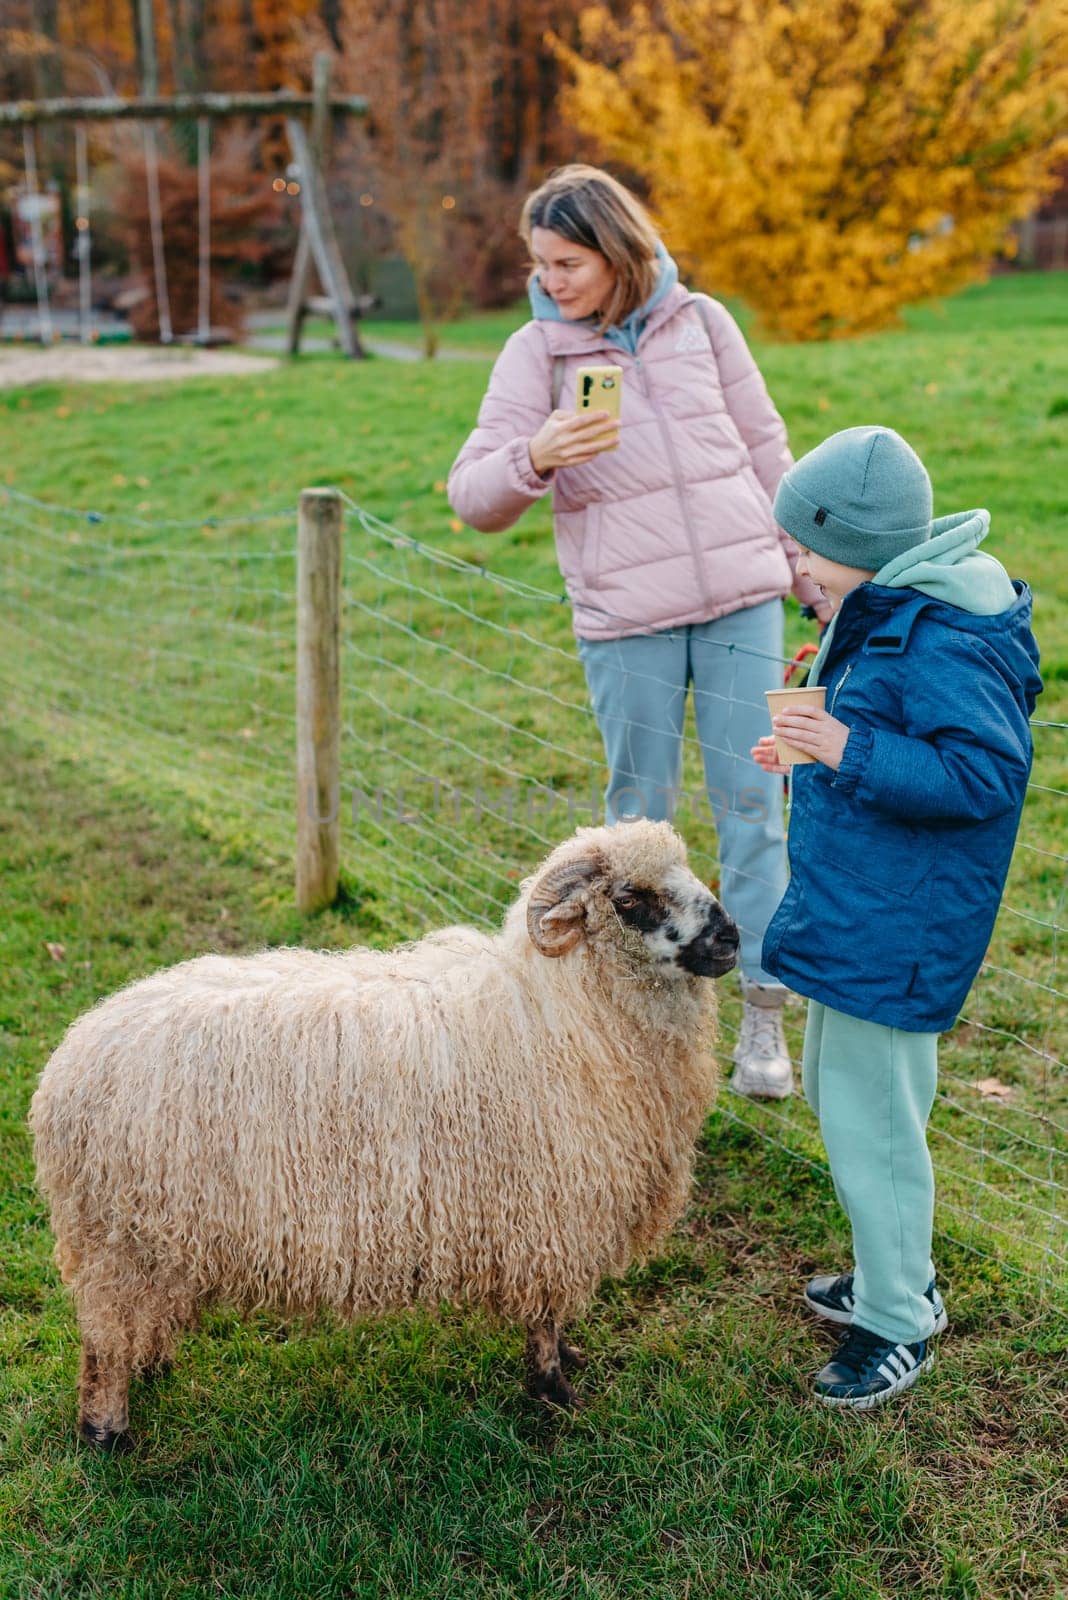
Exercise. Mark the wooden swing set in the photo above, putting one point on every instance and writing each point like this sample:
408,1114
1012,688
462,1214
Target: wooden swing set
317,244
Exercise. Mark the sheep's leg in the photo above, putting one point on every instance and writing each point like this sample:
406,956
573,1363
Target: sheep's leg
571,1358
158,1318
103,1394
113,1334
545,1359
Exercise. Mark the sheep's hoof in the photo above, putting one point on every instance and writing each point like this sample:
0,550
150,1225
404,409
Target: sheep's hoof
571,1359
554,1390
105,1439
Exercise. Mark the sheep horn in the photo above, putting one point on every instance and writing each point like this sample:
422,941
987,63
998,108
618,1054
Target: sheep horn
549,892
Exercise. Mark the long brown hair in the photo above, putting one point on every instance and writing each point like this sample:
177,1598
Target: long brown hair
591,208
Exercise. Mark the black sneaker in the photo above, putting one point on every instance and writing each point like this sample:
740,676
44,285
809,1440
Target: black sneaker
833,1298
867,1369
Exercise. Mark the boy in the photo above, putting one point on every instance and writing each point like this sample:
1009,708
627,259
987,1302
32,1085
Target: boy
901,832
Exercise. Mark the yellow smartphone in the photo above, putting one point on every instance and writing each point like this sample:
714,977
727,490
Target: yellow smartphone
599,389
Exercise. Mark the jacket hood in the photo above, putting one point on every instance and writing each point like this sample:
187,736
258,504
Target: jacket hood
950,567
972,591
627,334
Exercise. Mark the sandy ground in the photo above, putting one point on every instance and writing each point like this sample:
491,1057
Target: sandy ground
24,364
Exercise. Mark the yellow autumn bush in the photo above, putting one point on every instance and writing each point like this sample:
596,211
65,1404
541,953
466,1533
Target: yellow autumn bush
829,160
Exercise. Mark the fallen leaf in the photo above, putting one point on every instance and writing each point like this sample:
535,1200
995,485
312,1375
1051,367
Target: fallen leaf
56,951
993,1089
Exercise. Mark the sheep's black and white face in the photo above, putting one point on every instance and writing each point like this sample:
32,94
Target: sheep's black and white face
684,927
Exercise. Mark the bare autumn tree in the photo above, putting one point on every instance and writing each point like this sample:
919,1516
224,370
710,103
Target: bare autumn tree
186,28
428,68
462,123
528,135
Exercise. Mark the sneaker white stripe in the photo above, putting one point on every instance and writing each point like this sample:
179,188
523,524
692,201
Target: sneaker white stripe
906,1356
866,1402
885,1372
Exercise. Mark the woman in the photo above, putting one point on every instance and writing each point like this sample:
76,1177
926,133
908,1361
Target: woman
674,565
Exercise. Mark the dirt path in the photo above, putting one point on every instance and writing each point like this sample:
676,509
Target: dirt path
25,364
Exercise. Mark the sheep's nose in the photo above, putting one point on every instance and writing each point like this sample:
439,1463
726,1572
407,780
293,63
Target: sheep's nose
721,930
715,949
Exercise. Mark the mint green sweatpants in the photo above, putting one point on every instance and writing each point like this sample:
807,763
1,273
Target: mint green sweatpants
872,1088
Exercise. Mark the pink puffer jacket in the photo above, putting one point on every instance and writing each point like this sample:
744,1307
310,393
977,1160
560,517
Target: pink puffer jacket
673,527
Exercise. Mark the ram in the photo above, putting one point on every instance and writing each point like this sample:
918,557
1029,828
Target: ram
499,1119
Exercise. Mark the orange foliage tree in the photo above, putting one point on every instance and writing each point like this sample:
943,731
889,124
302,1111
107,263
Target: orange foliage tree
830,160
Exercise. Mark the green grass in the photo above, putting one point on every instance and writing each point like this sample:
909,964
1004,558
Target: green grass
400,1458
480,332
484,331
145,816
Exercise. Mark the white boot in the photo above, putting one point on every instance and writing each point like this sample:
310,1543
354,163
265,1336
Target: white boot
762,1069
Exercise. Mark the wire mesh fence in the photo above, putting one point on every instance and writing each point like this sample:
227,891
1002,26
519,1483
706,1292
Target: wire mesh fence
164,652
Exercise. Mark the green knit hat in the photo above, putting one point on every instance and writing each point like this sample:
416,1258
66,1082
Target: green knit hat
861,497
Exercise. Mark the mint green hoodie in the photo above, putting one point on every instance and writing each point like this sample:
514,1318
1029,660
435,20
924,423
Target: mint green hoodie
949,567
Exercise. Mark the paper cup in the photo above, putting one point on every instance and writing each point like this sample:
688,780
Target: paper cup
783,700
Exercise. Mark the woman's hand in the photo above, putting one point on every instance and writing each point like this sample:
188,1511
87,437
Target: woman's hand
570,438
765,755
815,732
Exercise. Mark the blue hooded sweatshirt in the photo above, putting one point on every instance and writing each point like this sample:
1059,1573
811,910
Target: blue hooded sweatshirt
628,333
898,860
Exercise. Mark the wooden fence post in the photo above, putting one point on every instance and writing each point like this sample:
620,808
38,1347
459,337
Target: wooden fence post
318,698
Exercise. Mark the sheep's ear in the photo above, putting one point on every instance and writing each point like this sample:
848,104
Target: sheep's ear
559,929
556,910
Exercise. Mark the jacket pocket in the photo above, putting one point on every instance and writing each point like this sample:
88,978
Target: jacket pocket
876,851
896,866
591,542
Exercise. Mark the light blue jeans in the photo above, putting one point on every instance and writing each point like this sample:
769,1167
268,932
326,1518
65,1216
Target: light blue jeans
638,687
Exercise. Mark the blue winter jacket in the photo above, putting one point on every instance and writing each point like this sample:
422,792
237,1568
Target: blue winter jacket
899,858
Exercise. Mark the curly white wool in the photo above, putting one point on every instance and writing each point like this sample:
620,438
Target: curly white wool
463,1118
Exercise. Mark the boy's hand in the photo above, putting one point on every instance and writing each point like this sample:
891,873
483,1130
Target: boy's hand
815,732
765,755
